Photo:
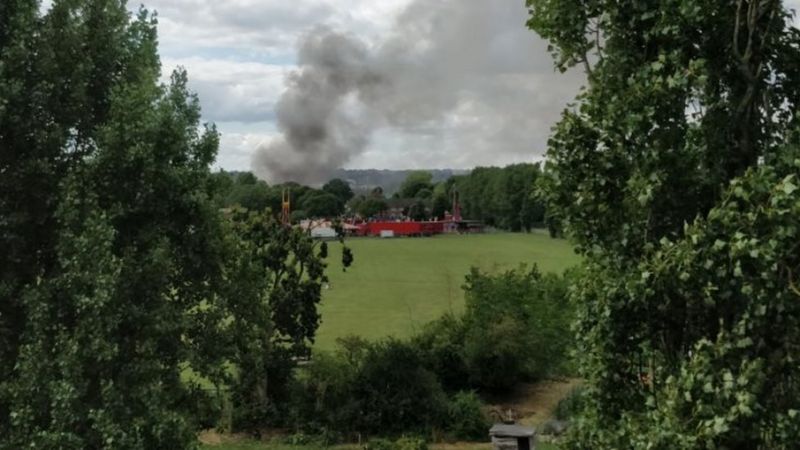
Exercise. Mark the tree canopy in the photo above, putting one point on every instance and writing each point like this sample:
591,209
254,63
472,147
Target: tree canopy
122,278
414,183
501,197
339,188
668,168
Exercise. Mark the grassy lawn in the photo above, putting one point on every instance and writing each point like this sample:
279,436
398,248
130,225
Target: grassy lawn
395,286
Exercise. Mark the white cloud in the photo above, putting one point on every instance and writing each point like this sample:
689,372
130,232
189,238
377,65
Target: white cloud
232,91
267,28
236,148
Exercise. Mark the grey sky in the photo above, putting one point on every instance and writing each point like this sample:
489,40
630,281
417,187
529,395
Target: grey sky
470,85
486,90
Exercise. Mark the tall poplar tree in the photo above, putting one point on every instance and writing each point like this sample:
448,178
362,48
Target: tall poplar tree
676,176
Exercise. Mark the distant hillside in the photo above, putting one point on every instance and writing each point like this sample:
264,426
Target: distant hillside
389,180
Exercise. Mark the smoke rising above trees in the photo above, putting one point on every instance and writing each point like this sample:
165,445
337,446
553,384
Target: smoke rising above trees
456,73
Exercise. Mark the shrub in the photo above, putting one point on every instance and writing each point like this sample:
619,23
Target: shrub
441,345
497,353
411,443
395,393
404,443
374,388
321,398
380,444
517,326
466,419
569,406
515,329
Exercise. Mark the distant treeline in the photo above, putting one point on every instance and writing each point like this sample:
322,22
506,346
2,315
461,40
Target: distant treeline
244,189
500,197
364,181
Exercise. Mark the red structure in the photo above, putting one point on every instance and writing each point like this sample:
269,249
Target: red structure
401,228
451,224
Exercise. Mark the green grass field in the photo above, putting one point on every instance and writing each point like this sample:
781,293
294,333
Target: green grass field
395,286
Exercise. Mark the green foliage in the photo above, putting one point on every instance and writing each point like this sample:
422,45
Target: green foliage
123,244
517,327
245,190
501,197
570,406
298,215
396,393
374,388
248,192
392,387
42,122
688,118
677,106
441,343
371,207
467,421
339,188
497,354
411,443
416,182
120,274
322,204
276,282
441,205
424,194
417,211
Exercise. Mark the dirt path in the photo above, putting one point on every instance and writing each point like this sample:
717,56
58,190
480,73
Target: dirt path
533,404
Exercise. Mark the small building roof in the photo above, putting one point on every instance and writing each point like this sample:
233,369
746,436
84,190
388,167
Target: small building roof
514,431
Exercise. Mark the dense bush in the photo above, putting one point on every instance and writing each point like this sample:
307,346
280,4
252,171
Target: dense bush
466,418
395,392
441,344
517,327
404,443
730,282
380,444
379,389
411,443
498,355
569,406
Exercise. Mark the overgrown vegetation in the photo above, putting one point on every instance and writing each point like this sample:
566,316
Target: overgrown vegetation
677,177
515,329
